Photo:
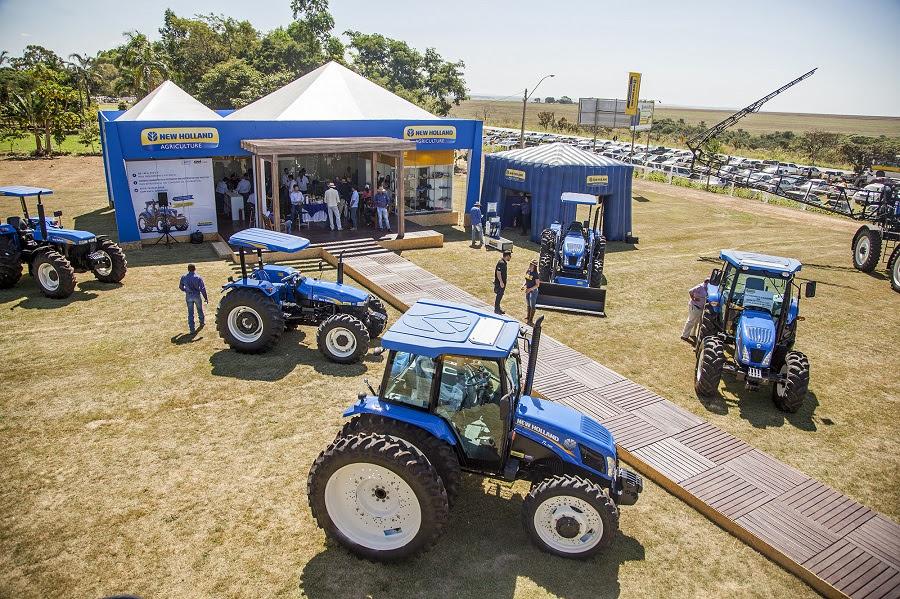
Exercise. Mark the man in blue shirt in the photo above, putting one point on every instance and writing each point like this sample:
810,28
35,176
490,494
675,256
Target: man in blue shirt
477,227
193,287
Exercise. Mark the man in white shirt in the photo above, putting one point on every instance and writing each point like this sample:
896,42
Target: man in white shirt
354,209
332,199
284,180
244,187
221,191
303,181
296,205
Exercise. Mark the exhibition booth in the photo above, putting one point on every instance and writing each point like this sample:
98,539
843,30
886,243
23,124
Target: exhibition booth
166,156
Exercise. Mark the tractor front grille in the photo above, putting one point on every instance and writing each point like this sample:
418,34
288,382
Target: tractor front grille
759,334
757,355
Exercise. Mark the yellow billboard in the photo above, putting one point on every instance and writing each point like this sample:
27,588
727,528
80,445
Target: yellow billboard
514,174
634,93
597,180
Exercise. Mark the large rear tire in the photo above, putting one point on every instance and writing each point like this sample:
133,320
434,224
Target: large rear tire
599,258
866,249
548,248
709,324
10,262
53,274
378,496
570,516
343,338
249,321
378,319
439,453
118,265
789,395
894,268
708,373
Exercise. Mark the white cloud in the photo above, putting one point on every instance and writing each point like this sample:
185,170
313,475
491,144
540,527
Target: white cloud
24,34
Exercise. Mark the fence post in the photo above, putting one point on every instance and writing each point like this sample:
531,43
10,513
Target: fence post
731,193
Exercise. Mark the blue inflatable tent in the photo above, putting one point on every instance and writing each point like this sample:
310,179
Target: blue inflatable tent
548,170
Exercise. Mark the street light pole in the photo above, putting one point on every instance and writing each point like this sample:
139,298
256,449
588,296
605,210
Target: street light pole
525,97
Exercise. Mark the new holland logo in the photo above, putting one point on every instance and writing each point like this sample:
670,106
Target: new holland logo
515,175
430,133
180,138
598,180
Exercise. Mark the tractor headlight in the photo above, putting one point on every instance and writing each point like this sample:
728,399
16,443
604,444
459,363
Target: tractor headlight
745,355
610,467
768,359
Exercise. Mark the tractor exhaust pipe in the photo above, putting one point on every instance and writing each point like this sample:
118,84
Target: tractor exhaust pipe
533,355
340,269
41,223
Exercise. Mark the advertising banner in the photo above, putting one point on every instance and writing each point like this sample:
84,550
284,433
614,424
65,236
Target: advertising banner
645,116
597,180
634,93
515,175
604,112
189,195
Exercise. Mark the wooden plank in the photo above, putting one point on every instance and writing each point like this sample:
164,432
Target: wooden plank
782,527
594,403
674,459
881,537
668,417
593,375
629,395
713,443
765,471
632,433
822,504
726,492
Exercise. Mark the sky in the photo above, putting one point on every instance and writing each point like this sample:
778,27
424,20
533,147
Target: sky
716,53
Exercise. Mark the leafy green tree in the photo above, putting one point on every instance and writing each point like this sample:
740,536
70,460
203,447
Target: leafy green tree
816,143
221,86
142,64
38,55
192,48
546,119
82,68
89,133
41,104
565,100
549,100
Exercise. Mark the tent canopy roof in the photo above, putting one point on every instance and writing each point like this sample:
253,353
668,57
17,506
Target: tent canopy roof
326,145
331,93
168,102
557,154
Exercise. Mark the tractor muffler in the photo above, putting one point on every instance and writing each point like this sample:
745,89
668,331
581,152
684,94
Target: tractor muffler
571,298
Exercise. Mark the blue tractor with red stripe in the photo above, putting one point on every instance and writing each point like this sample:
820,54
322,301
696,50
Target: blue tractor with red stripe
452,399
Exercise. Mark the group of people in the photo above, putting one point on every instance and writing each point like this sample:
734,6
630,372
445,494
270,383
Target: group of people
521,219
241,185
530,286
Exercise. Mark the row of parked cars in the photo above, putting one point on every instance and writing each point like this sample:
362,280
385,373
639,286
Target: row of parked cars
833,188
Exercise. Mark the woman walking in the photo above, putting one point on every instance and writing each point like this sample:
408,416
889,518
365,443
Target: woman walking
532,282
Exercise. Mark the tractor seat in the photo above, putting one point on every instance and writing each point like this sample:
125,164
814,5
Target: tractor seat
575,227
15,222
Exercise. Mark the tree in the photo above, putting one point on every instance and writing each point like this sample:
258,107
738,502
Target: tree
536,100
546,119
82,67
89,133
566,100
222,86
142,63
40,103
815,143
549,100
862,152
191,47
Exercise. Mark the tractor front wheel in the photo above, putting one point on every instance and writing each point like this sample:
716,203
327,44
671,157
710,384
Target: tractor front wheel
570,516
599,257
343,338
866,249
710,360
894,268
548,248
114,266
377,320
53,274
378,496
249,321
789,393
709,324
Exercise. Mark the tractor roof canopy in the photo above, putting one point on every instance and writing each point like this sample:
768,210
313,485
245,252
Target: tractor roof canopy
760,262
23,191
272,241
433,328
570,197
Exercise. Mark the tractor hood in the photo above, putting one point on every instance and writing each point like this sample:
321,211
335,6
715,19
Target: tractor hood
756,338
62,236
337,293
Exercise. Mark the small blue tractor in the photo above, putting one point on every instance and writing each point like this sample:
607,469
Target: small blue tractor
53,253
571,262
751,309
154,218
259,306
452,400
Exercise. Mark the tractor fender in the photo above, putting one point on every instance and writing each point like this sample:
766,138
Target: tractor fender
432,423
264,287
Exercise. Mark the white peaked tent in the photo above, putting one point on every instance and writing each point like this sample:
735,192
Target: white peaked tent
331,93
168,102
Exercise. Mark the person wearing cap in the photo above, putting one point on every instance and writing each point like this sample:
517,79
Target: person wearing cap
475,221
500,280
332,199
382,200
532,282
696,304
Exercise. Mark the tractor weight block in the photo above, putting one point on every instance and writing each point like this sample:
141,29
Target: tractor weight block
571,298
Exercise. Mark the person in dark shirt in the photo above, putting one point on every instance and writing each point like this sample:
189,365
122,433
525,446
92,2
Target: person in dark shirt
525,219
193,287
532,282
500,281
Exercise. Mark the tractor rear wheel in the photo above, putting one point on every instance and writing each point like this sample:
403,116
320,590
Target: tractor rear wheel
789,394
570,516
249,321
114,271
342,338
378,496
548,248
376,325
710,360
439,453
894,268
599,257
866,249
53,274
10,262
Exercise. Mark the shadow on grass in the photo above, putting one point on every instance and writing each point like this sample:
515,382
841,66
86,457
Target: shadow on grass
101,221
180,253
483,553
35,300
185,338
757,407
640,199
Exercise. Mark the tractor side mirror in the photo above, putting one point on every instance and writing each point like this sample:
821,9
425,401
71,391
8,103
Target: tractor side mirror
715,279
810,289
57,213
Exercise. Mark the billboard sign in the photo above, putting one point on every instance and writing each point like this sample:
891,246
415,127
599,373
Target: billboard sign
515,175
602,112
189,189
645,116
634,93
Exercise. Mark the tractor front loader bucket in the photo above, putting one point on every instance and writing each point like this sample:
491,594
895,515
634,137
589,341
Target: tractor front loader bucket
572,298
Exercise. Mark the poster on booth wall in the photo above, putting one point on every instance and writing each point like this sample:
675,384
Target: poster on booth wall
189,189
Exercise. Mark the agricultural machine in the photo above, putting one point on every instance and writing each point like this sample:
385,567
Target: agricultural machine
161,218
879,238
259,306
492,237
451,399
53,253
571,261
751,309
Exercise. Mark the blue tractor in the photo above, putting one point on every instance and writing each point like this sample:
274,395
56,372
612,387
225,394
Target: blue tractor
571,261
452,400
751,310
53,253
260,305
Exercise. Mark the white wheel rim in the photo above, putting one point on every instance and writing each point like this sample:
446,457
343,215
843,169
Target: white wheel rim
556,514
373,506
340,342
780,387
48,276
105,271
700,364
896,272
862,249
245,324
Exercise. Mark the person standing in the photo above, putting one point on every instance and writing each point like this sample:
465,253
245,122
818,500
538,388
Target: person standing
244,187
296,205
500,280
221,195
332,199
192,286
354,208
525,219
532,283
695,310
284,179
303,181
381,207
477,225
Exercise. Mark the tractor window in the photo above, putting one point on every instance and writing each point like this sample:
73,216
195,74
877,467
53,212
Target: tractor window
470,401
760,292
410,380
512,373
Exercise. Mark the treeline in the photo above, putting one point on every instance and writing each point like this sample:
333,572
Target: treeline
222,61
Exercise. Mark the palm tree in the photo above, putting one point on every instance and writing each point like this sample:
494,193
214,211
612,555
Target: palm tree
83,68
4,57
143,68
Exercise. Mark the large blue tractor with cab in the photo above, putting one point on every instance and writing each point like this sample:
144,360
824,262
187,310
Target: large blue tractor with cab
571,261
52,252
752,313
452,399
260,305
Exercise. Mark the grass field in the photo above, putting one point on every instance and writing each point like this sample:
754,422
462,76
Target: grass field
137,460
509,114
70,144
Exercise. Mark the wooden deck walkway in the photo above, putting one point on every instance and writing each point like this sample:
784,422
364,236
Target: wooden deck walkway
840,547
